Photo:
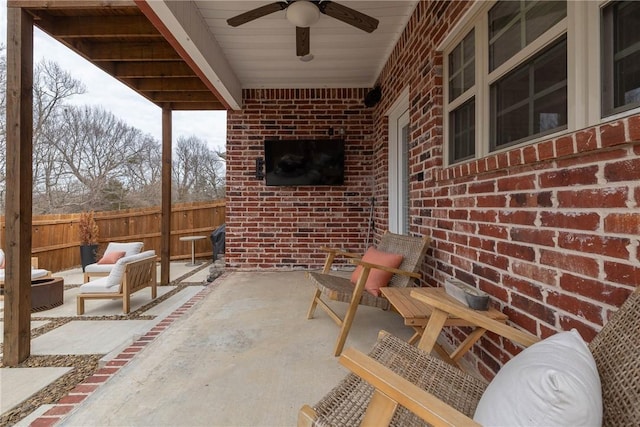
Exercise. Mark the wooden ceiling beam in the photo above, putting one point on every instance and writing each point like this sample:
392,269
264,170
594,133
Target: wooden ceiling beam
124,70
131,51
72,4
166,84
97,26
184,96
122,41
193,106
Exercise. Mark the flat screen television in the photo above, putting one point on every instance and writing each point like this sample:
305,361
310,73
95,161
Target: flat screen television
304,162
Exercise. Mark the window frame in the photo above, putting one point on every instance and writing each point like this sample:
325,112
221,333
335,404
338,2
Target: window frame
582,27
461,99
606,23
530,63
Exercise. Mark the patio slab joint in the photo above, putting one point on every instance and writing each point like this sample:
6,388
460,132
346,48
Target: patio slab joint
70,402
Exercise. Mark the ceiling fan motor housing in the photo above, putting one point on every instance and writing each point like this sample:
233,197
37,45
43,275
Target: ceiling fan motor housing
303,13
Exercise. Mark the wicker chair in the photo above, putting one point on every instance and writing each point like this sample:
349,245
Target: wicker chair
405,386
341,289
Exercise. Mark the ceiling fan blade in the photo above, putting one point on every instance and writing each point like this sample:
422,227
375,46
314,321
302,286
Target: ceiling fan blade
259,12
349,16
303,41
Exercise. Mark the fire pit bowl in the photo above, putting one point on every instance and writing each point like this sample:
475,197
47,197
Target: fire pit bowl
46,293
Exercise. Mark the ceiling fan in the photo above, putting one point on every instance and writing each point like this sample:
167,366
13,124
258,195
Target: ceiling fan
304,13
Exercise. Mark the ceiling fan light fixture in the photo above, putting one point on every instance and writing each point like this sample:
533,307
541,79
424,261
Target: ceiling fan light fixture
303,13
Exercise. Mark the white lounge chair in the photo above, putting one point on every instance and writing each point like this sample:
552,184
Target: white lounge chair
129,275
36,273
99,269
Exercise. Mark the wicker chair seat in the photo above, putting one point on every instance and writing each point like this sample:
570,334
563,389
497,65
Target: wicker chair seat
346,403
341,289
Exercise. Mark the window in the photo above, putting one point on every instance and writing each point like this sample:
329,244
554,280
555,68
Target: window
539,68
506,77
532,99
462,67
513,25
462,70
620,46
462,123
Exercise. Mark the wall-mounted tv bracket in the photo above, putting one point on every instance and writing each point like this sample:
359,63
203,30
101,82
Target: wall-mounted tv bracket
259,168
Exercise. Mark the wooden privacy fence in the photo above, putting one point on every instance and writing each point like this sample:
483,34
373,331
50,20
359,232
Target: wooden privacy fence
56,240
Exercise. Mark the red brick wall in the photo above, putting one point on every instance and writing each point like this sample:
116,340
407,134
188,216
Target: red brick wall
550,230
283,227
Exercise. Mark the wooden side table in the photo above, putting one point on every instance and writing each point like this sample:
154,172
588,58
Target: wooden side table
192,239
407,302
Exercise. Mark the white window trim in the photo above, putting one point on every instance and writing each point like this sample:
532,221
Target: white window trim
594,19
397,109
582,26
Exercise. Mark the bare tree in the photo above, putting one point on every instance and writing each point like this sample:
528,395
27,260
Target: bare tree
145,176
52,86
87,158
105,155
198,172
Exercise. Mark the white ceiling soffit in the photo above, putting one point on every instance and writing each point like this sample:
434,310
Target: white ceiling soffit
185,23
262,53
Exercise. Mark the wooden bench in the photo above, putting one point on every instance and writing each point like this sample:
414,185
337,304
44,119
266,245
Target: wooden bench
138,274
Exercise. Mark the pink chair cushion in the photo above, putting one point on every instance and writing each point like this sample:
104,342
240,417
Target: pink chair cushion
111,257
377,278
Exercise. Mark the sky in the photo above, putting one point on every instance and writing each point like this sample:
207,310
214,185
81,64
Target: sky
124,103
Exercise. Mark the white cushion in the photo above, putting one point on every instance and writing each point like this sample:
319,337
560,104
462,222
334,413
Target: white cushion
129,249
36,273
115,276
1,257
98,268
554,382
98,286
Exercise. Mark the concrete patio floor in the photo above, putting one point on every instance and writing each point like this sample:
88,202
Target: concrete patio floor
238,352
100,331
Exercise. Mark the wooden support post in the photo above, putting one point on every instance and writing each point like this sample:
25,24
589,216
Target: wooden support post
165,228
17,286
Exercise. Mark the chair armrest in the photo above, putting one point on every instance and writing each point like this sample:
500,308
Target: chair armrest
392,386
331,254
339,252
442,302
385,268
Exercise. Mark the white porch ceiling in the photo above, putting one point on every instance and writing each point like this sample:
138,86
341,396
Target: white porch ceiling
262,53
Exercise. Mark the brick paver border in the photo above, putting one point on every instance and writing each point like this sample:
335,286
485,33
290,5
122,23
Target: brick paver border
82,391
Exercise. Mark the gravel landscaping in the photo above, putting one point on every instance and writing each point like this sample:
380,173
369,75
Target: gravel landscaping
83,365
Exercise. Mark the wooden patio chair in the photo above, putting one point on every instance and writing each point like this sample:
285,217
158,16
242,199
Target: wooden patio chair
339,288
129,275
114,251
399,384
